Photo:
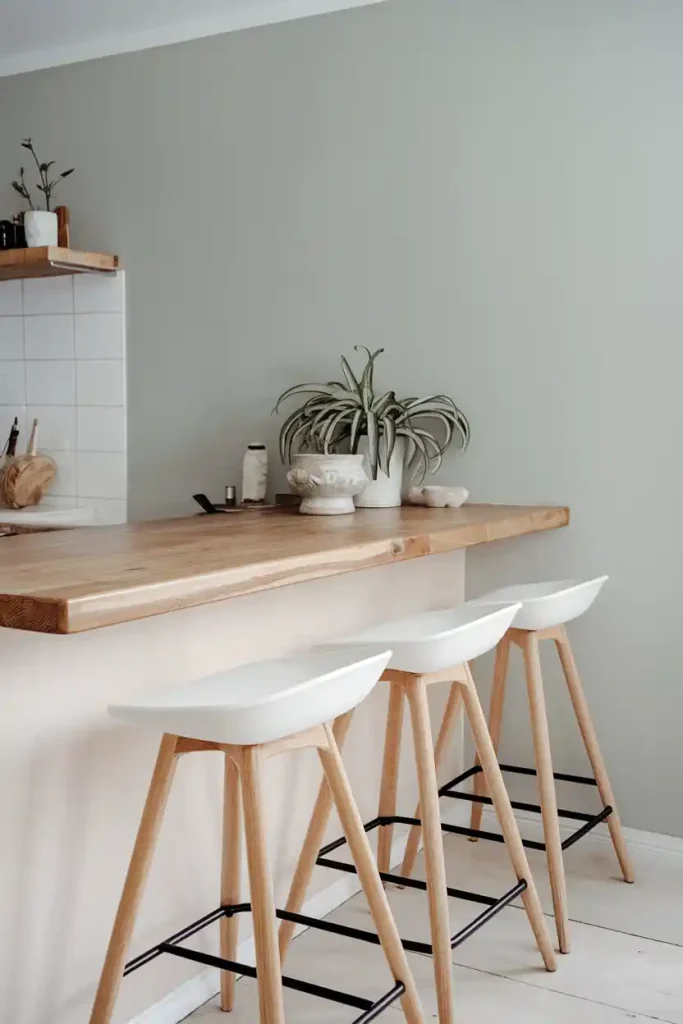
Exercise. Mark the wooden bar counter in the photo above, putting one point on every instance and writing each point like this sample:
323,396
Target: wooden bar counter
74,779
66,582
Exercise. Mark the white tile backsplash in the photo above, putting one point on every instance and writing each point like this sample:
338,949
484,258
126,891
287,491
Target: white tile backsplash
10,298
99,293
50,382
66,481
11,337
56,426
100,382
49,336
102,475
12,383
49,294
101,429
68,370
99,336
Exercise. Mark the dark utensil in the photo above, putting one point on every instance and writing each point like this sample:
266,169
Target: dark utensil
7,235
205,504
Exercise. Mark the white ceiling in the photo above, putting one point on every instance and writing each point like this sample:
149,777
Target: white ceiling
42,33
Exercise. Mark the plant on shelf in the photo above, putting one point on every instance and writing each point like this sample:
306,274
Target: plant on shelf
350,415
46,186
40,225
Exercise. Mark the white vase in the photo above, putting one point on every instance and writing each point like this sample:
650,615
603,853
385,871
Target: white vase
40,227
327,483
385,491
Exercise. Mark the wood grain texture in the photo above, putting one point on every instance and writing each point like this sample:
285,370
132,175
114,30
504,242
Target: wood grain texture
74,580
39,262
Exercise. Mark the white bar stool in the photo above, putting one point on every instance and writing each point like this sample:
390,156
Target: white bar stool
544,610
251,713
431,648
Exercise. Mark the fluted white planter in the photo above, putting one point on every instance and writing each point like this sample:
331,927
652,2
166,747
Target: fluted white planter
40,227
385,491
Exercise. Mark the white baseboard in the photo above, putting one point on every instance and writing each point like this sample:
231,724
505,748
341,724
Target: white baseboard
204,986
637,839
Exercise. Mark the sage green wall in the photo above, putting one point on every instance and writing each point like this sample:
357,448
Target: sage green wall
490,190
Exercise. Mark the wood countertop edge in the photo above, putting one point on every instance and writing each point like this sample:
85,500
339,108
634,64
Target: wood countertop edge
66,616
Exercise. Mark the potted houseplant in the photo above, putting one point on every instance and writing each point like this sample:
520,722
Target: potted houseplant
40,226
351,416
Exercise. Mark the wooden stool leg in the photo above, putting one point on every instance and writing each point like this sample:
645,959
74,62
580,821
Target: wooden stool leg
546,785
508,824
311,845
500,671
389,784
435,868
138,869
448,721
369,877
595,757
269,980
230,876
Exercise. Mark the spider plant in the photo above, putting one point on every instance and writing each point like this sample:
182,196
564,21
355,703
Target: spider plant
339,413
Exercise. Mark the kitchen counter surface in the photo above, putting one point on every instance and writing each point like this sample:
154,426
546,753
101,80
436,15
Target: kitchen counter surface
75,580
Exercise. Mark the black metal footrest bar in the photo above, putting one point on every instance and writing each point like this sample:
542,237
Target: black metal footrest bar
590,820
493,904
371,1010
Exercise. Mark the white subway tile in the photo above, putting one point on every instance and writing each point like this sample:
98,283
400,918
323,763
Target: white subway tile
10,298
53,501
50,382
110,511
100,382
49,336
12,383
66,481
102,475
11,337
56,426
7,414
101,429
49,294
98,293
99,336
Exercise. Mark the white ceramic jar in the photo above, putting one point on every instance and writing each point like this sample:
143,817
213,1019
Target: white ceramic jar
385,491
40,227
255,474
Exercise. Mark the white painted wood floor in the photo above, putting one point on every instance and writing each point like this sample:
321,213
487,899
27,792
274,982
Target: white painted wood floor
626,962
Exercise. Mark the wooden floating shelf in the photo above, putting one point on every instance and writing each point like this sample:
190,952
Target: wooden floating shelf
53,261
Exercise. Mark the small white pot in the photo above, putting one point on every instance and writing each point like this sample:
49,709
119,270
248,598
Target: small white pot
327,483
385,491
40,227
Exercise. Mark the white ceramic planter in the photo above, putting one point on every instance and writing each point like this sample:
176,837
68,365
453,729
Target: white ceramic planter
327,483
385,491
40,227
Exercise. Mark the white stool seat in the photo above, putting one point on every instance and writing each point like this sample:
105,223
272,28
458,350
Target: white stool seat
543,605
433,641
262,701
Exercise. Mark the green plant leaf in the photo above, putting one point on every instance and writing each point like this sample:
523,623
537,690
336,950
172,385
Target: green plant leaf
351,379
354,434
328,435
373,443
389,439
421,453
304,389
